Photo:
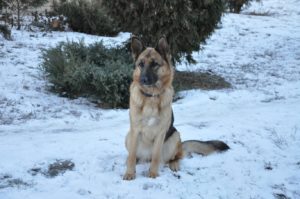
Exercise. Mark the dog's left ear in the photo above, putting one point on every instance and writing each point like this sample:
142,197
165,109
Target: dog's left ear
163,48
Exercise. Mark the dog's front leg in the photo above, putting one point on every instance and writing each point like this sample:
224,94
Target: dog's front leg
156,155
131,160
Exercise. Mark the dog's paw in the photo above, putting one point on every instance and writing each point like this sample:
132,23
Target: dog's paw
174,165
152,174
129,176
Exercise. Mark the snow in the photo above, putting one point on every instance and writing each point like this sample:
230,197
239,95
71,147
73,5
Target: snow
258,118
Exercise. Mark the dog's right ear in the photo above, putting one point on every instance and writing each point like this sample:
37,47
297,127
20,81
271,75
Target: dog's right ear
136,47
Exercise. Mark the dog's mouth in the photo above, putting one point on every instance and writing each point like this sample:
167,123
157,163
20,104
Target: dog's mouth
152,90
148,85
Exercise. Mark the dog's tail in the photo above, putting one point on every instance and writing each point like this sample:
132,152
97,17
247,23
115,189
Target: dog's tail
203,147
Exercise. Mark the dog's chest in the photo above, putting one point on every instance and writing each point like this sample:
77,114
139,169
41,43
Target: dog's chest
150,128
150,117
150,121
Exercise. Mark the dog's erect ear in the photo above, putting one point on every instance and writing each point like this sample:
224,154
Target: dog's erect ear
163,48
136,47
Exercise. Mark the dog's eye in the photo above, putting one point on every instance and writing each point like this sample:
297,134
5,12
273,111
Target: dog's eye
154,64
141,65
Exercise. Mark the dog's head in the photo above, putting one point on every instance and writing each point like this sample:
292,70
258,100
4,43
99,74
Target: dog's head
153,68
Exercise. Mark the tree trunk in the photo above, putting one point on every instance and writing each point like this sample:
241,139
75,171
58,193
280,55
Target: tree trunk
6,17
18,13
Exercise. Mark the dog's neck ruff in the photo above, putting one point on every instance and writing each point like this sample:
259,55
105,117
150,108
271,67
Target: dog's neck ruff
150,95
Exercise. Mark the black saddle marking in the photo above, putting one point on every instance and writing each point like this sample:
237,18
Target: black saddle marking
171,129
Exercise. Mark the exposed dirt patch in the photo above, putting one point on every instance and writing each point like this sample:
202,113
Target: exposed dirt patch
7,180
54,169
257,13
280,196
184,80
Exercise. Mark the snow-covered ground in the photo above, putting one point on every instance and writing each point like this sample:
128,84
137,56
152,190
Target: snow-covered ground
259,118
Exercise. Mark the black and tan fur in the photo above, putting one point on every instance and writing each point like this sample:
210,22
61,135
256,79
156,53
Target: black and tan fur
152,136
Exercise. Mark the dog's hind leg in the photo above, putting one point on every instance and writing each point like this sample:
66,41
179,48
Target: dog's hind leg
172,151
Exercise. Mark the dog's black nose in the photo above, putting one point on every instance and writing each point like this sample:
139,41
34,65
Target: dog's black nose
144,80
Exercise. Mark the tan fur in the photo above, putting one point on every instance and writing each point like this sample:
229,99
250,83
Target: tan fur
150,117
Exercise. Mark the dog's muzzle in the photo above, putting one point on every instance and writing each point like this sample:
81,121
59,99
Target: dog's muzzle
147,81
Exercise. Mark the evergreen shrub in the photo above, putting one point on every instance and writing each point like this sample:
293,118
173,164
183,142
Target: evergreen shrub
185,23
87,17
76,69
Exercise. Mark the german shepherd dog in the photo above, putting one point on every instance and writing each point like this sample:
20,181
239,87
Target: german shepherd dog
152,136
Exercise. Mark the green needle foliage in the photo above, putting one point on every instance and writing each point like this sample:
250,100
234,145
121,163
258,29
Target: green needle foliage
87,17
75,69
185,23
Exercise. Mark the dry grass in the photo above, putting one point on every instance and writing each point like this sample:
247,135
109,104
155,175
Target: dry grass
198,80
257,13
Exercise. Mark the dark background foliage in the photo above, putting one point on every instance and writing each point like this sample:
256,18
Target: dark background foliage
185,23
5,31
87,17
105,73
